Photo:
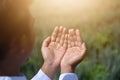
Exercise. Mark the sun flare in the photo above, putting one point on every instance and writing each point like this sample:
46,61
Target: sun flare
77,12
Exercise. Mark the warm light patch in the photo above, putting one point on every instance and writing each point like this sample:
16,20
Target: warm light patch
75,12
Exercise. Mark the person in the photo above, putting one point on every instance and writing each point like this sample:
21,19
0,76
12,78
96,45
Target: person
64,50
61,49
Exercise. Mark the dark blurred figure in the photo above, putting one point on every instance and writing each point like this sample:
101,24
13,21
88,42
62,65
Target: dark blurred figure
16,35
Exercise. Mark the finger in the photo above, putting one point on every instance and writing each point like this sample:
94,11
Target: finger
54,34
63,37
59,34
83,48
74,38
69,43
79,38
65,41
46,42
71,37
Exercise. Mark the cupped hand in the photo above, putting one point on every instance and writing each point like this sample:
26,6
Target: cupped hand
53,50
75,52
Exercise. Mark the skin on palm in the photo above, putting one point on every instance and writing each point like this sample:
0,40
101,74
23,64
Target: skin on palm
75,52
57,45
53,50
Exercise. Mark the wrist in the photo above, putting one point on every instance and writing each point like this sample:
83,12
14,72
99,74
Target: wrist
49,69
65,68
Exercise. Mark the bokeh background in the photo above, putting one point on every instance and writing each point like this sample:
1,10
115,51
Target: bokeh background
99,23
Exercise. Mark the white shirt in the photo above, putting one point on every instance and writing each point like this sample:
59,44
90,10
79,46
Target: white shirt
21,77
41,76
66,76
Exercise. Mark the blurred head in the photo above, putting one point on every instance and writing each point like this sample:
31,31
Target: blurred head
16,31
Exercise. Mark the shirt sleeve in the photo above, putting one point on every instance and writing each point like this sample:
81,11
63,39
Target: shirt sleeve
68,76
20,77
40,76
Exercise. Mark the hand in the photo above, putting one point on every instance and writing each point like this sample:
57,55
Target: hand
75,52
53,50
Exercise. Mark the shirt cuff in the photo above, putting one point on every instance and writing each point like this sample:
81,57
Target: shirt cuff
40,76
68,76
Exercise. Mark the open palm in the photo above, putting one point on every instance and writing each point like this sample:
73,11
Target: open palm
54,47
76,49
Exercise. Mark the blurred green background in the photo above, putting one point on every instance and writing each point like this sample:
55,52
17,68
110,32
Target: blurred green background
99,23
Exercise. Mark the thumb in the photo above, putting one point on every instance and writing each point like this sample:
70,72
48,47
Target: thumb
46,42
